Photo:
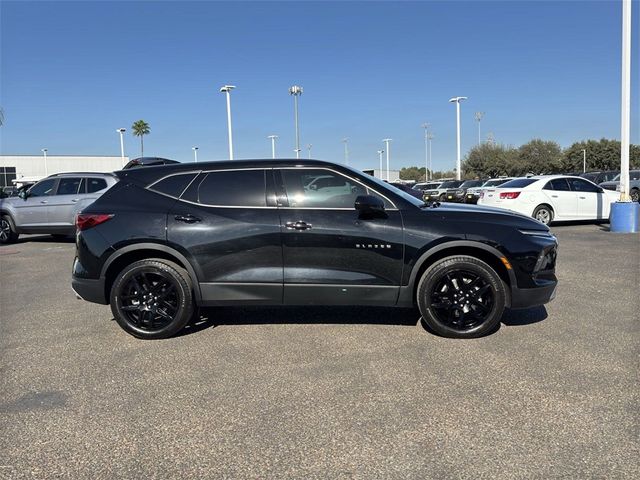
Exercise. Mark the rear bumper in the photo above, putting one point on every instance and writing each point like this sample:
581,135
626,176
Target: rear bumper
89,289
532,297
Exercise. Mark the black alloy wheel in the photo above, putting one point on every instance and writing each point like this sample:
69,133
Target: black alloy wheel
7,232
461,297
152,299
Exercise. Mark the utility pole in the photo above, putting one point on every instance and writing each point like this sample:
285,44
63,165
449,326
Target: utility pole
457,101
430,139
195,154
296,91
386,141
346,150
478,117
227,90
380,152
273,145
426,150
121,132
584,160
309,150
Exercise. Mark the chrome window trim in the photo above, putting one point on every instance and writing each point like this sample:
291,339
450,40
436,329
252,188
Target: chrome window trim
304,167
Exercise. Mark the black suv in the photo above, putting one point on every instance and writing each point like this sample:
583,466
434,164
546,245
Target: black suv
165,240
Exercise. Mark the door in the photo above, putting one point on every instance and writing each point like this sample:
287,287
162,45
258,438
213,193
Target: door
563,200
32,211
331,254
227,225
62,205
592,202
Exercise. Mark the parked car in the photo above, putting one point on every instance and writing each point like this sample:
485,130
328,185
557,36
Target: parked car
459,194
473,193
634,184
552,197
439,194
50,205
407,189
427,186
251,232
148,162
599,177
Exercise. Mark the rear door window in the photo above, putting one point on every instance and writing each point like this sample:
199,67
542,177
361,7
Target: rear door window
96,184
68,186
232,188
518,183
559,184
173,185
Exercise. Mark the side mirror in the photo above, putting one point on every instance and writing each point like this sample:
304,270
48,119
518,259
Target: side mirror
23,194
600,190
369,205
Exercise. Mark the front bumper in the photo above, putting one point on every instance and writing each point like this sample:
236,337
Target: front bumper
533,297
89,289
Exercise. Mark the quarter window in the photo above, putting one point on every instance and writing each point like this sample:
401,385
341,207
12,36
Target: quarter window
96,184
318,188
173,185
68,186
43,188
233,188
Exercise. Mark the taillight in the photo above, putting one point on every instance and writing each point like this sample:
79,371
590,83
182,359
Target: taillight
509,195
85,221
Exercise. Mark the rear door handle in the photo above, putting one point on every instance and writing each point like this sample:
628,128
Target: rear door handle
582,198
74,200
554,196
299,225
187,218
44,201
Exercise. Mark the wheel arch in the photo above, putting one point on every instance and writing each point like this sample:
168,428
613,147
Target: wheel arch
140,251
486,253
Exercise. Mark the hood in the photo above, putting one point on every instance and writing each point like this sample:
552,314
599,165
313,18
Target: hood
484,214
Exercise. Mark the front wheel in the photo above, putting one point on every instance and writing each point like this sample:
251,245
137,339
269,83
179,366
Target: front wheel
461,297
152,299
544,214
635,195
7,230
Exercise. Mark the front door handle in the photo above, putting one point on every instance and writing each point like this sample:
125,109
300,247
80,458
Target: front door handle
74,200
299,225
582,198
44,201
554,196
187,218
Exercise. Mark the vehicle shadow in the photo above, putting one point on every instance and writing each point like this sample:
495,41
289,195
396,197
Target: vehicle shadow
211,317
300,315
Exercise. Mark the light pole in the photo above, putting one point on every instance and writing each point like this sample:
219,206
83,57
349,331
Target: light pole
273,145
478,116
227,90
296,91
195,154
430,138
121,132
309,150
346,150
457,101
380,152
625,101
584,160
386,141
426,150
46,171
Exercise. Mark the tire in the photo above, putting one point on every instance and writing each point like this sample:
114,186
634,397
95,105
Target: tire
152,298
442,198
635,195
7,230
544,214
461,297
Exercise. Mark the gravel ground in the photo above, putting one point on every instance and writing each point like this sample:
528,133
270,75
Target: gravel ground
345,393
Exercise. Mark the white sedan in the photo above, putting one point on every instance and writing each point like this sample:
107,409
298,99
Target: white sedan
552,197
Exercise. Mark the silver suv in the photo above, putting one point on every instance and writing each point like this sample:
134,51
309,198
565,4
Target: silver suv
50,206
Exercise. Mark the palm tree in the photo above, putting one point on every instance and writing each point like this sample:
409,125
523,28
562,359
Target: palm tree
140,129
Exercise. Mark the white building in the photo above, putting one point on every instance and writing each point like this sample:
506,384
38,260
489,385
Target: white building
30,168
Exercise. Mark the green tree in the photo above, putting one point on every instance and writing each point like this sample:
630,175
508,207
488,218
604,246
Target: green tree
491,160
540,157
413,173
140,129
603,154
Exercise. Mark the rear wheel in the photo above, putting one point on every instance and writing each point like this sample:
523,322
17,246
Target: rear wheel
152,299
7,230
544,214
461,297
635,195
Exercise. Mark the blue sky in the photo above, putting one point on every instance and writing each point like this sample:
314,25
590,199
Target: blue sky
73,72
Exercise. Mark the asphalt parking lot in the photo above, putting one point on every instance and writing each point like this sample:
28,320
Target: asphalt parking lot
323,392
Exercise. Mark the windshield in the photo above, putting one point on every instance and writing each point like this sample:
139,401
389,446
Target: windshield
471,183
633,175
495,183
519,183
